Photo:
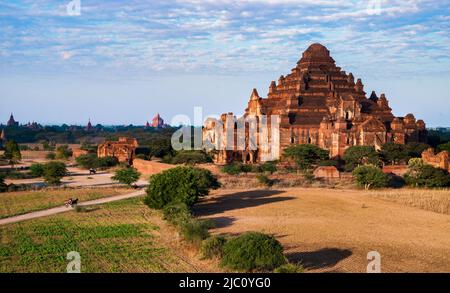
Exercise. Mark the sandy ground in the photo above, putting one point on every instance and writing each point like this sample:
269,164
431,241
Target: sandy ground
63,209
80,178
331,230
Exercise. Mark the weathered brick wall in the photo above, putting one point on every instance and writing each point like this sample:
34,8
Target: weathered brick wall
399,170
440,160
328,172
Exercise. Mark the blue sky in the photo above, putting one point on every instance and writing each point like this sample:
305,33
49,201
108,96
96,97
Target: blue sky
120,62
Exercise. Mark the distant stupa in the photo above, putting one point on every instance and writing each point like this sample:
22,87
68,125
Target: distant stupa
89,126
12,122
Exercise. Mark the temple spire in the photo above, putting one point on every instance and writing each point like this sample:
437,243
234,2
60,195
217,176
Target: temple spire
255,95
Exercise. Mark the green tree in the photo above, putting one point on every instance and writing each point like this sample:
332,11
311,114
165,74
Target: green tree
253,251
47,146
87,161
393,153
422,175
179,185
444,147
37,170
12,152
107,162
63,152
54,172
50,156
369,176
270,167
127,176
359,155
3,186
306,156
160,148
415,149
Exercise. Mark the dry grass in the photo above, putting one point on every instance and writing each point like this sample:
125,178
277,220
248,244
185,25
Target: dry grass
17,203
426,199
332,230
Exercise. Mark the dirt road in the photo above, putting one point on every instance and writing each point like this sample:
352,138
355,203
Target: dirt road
79,178
330,230
63,209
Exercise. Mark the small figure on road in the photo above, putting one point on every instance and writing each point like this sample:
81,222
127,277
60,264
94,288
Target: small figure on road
71,202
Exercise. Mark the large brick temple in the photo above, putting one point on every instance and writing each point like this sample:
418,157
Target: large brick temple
319,103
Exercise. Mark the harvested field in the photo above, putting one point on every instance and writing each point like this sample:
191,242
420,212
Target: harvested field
427,199
331,230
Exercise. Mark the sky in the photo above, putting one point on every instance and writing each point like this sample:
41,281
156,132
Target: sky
120,62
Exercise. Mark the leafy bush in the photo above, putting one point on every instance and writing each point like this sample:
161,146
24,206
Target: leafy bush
37,170
50,156
89,161
422,175
195,231
393,153
63,152
238,168
360,155
232,169
54,172
415,149
212,247
306,155
107,162
270,167
369,176
48,147
191,157
181,185
444,147
12,152
127,176
289,269
263,179
253,251
3,185
176,213
328,163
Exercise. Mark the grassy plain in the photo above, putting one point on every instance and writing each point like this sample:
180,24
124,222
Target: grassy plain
17,203
124,236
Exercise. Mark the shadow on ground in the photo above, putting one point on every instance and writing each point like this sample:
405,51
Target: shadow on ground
320,259
222,222
238,200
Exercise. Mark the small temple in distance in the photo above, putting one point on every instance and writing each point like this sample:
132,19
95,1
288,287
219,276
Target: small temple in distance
124,149
89,126
157,122
12,122
317,103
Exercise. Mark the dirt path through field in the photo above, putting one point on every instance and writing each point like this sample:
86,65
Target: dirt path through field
63,209
332,230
